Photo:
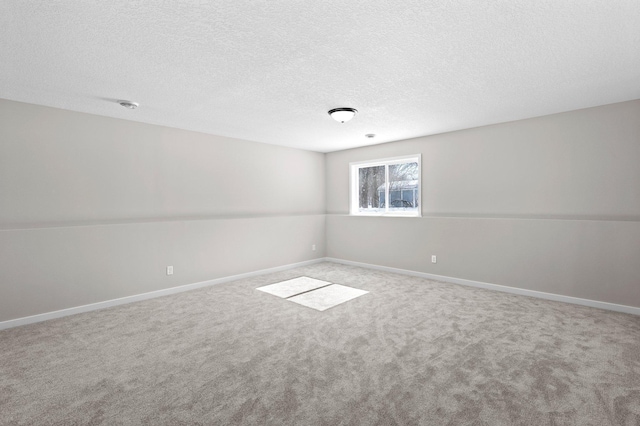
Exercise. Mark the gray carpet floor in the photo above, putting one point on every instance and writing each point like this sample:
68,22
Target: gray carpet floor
411,352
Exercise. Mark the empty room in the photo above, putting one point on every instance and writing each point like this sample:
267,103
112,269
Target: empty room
320,213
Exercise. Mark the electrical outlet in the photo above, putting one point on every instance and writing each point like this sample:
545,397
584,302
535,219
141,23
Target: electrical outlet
313,247
433,259
169,270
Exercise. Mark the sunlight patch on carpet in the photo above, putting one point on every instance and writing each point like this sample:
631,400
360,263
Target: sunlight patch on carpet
327,297
312,293
292,287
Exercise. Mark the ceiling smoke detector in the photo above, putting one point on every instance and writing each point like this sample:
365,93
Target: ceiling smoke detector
129,104
342,114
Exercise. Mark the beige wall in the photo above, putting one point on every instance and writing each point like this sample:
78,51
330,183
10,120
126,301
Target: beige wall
95,208
59,167
549,204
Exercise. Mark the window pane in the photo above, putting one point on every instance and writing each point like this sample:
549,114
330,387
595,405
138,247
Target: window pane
385,187
403,186
371,188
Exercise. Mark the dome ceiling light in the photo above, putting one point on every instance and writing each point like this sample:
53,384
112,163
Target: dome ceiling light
342,114
129,104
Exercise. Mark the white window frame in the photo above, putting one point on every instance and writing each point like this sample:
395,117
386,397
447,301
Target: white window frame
354,198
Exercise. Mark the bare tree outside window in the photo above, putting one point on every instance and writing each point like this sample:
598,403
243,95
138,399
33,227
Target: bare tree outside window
370,179
386,187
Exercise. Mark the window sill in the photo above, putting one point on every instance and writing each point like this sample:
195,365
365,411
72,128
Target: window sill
384,215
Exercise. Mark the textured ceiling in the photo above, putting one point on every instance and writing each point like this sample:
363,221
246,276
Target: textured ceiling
268,71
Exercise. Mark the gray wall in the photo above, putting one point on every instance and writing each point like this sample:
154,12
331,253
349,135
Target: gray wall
549,204
95,208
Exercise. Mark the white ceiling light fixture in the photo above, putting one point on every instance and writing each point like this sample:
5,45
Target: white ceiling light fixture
342,114
129,104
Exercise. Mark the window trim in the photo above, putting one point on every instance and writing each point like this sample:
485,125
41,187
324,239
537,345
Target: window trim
355,166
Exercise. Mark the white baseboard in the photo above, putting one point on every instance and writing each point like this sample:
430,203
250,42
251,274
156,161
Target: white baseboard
144,296
173,290
532,293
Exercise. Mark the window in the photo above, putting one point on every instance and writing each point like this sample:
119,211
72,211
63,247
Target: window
386,187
